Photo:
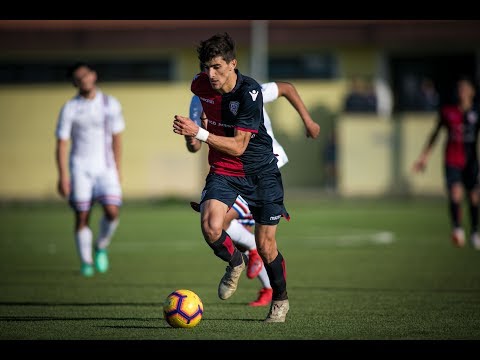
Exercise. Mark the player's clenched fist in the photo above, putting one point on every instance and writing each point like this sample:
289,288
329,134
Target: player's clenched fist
184,126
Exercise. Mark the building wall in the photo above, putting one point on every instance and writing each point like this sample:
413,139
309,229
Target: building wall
364,153
375,155
416,127
157,164
155,161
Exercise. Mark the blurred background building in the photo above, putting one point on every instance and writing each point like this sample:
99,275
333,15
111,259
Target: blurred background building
375,84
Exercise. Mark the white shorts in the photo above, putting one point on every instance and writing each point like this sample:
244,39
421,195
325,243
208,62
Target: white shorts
245,216
87,188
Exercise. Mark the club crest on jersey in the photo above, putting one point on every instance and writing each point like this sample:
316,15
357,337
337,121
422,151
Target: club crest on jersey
472,117
234,107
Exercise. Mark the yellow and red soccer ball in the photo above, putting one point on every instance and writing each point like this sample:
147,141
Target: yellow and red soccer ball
183,309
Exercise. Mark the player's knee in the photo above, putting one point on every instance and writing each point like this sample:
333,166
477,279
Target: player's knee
266,247
111,213
474,196
211,235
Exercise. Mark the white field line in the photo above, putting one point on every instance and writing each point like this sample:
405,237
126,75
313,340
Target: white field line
378,237
350,238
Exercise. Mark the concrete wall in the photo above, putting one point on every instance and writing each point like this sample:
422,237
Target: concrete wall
155,160
364,155
157,164
416,127
376,155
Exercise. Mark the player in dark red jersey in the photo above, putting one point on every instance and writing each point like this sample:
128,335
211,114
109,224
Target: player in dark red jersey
239,222
242,163
460,158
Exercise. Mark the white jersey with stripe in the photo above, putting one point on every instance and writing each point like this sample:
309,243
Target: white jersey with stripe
270,93
245,217
90,124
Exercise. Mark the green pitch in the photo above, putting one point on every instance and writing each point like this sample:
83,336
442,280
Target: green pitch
357,269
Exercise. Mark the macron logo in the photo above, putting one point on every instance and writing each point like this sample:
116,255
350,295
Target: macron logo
253,94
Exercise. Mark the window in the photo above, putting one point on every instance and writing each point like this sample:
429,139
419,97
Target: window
303,66
440,71
22,72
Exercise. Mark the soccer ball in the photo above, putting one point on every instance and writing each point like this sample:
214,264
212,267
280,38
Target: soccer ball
183,309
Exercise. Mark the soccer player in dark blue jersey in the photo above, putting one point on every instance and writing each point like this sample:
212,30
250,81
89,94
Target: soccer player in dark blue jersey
242,163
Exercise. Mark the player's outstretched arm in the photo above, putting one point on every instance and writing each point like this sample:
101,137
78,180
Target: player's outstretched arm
289,91
421,163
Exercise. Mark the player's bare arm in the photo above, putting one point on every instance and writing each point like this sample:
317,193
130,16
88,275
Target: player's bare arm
117,152
421,163
289,91
61,155
234,146
193,144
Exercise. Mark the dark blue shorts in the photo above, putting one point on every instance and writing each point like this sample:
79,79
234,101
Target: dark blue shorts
263,193
468,176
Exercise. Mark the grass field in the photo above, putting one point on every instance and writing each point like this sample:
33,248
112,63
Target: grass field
357,270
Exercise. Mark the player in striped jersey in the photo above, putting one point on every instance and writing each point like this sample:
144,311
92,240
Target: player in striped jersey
239,220
241,162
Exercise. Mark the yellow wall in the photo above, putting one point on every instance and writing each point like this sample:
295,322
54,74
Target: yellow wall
328,94
364,155
369,165
155,161
157,164
416,128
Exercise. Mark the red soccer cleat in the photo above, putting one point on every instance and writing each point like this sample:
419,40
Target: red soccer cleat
255,264
264,297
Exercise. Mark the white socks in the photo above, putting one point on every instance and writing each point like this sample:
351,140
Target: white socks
107,229
263,277
240,235
83,239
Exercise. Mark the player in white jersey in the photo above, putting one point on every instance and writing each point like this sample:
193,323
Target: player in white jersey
93,122
239,220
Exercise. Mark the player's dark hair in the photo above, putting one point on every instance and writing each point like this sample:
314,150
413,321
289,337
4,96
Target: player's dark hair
463,78
71,69
220,44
